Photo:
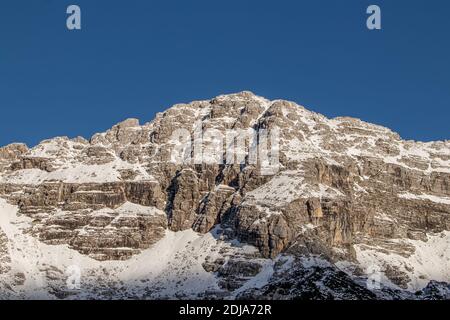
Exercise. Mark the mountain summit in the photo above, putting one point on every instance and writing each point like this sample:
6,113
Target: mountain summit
352,212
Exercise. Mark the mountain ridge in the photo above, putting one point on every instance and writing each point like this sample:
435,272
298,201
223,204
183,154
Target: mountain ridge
349,194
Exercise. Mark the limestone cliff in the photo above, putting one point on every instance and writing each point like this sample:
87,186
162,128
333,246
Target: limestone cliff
351,192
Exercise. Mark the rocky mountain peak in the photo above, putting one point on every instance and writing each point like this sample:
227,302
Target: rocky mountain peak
352,194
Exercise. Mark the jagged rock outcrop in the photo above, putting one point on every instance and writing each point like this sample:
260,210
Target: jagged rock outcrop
342,185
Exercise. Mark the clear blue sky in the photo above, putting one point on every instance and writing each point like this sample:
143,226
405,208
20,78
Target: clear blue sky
137,57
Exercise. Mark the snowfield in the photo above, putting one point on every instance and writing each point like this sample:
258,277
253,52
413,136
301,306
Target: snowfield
171,267
429,261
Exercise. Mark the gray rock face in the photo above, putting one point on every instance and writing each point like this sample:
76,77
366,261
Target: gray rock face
435,291
342,183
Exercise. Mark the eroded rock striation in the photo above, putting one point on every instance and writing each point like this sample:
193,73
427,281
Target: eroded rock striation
346,190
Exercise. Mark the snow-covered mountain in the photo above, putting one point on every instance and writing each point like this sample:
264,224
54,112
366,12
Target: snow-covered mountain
352,212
